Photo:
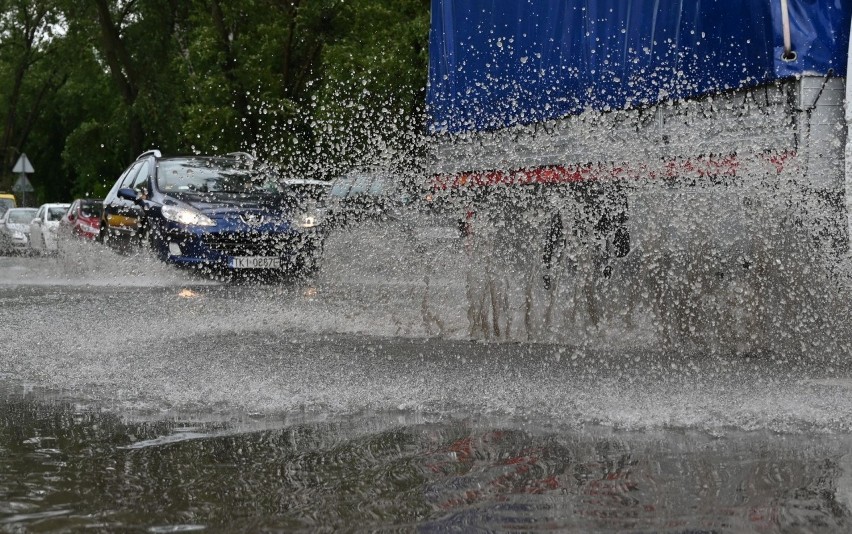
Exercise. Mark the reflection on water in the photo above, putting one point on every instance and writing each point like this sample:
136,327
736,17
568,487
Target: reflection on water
63,466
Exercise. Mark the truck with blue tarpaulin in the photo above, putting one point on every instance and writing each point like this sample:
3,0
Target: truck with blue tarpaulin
711,129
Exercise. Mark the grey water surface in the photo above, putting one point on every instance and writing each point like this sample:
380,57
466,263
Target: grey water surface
135,397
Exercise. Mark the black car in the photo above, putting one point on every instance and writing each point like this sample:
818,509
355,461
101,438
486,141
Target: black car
362,196
368,197
225,213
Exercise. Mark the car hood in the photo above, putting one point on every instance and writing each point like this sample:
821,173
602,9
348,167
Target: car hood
223,205
18,227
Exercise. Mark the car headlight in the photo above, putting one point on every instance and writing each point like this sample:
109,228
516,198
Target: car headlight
308,220
187,216
17,234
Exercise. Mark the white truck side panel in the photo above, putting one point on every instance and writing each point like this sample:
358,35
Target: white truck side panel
783,143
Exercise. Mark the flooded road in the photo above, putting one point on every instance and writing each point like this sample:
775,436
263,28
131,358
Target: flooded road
134,397
72,467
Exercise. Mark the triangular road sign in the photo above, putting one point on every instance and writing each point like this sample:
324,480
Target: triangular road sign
22,185
23,165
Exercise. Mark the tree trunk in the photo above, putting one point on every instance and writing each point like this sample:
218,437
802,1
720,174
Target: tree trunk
123,72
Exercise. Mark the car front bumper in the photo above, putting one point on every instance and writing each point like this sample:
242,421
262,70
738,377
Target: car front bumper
17,243
217,249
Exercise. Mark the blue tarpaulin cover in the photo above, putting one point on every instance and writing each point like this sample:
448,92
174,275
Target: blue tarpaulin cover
495,63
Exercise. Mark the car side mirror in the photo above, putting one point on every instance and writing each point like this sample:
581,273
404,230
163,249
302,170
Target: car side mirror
128,193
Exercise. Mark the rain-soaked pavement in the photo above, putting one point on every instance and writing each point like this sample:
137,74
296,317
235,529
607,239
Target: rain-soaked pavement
134,397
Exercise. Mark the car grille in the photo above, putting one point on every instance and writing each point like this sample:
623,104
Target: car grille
244,244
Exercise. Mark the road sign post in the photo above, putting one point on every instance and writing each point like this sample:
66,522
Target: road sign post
23,185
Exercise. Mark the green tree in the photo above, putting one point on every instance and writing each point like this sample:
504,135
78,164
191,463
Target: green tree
126,93
372,100
251,68
30,75
316,86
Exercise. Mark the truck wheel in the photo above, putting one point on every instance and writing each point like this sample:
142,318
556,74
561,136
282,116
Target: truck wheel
621,242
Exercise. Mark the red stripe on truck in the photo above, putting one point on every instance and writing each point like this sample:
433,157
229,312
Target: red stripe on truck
699,167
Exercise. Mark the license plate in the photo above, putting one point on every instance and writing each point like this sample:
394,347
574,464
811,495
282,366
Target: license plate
255,262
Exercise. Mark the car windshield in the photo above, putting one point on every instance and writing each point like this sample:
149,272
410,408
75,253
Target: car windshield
18,216
91,209
212,175
314,192
362,184
55,214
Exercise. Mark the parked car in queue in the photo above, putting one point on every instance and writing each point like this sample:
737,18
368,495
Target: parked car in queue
45,225
14,230
83,219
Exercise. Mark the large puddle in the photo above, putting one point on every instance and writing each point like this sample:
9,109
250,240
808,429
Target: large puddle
66,466
136,396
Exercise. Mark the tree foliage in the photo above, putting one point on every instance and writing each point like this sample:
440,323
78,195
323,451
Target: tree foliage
315,86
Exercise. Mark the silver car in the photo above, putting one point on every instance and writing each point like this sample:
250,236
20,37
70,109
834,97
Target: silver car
15,228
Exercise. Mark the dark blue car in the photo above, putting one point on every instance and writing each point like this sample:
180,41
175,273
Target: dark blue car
220,213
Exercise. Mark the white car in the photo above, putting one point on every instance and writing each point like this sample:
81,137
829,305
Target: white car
44,226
